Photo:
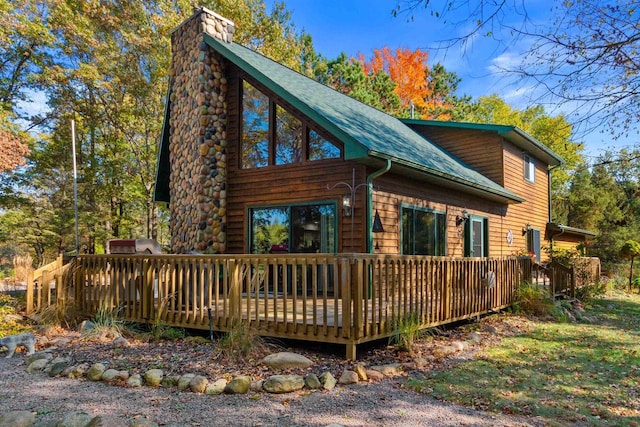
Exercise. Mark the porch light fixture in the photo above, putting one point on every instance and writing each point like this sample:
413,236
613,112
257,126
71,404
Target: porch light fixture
526,229
461,219
346,204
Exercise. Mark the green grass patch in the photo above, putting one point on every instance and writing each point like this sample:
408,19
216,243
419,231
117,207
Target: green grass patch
586,372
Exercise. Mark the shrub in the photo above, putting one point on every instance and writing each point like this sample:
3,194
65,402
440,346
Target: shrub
534,300
406,331
239,343
106,323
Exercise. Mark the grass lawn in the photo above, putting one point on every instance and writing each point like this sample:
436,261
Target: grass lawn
585,372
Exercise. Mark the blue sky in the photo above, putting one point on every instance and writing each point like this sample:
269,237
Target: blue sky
359,26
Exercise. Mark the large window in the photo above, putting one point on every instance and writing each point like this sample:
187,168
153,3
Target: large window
255,128
307,228
272,135
476,243
289,132
423,232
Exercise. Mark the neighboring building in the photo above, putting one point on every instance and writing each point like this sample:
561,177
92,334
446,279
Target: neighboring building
256,157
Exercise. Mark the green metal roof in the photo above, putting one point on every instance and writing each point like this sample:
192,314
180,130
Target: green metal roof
553,226
512,134
364,130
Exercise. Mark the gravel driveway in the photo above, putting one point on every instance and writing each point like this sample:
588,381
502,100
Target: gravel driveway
365,404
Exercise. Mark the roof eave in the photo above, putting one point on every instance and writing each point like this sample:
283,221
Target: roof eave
527,142
453,181
513,134
552,226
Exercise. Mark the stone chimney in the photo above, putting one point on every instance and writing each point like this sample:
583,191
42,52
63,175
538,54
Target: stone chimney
198,135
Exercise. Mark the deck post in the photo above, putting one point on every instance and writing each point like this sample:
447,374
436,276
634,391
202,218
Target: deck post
30,290
351,351
234,291
357,285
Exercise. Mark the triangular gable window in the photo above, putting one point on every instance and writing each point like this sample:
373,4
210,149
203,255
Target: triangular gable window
273,135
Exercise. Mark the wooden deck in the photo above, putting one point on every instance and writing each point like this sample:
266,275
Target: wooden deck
335,298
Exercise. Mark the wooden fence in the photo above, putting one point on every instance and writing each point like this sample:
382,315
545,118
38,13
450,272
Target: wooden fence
565,280
46,285
335,298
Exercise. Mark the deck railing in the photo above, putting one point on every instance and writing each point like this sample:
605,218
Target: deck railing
565,280
336,298
45,285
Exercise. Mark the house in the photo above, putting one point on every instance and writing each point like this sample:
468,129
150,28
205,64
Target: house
258,158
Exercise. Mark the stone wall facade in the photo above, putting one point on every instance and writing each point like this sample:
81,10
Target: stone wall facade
198,136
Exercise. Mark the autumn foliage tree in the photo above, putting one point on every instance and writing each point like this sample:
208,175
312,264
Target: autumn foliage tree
416,85
12,151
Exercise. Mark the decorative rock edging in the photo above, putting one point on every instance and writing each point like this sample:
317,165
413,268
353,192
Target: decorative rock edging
46,363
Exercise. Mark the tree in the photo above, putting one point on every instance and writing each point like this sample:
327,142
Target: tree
348,76
106,66
630,250
24,43
12,151
423,92
584,56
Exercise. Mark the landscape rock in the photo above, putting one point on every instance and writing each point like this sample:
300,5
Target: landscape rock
283,383
475,337
153,377
374,375
77,371
37,365
170,381
361,371
444,351
95,372
55,369
312,381
238,385
135,381
328,380
256,386
216,387
389,370
121,342
183,382
109,374
86,325
287,360
75,419
39,356
198,384
17,419
348,377
106,421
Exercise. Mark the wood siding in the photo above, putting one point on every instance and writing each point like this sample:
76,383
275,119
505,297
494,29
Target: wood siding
391,191
502,162
478,149
535,209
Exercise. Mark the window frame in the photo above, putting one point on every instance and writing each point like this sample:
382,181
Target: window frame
468,236
287,207
529,168
437,237
272,120
534,242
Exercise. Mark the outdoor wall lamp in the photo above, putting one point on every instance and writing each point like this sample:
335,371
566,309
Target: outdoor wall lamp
346,204
526,229
461,219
